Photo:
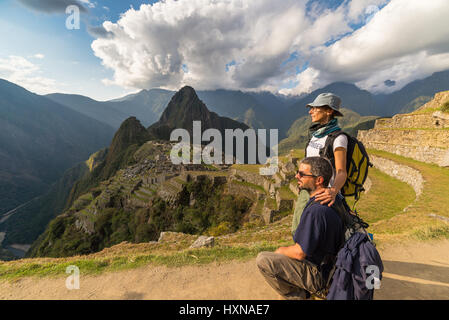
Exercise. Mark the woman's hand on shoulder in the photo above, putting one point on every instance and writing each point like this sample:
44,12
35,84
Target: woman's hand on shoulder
327,195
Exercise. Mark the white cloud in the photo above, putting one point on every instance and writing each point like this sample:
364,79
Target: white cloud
88,3
359,10
243,44
26,74
39,56
150,45
404,41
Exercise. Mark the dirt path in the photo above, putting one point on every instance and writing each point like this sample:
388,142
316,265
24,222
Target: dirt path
413,271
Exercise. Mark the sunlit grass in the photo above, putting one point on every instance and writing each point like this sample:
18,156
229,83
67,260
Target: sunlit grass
382,201
94,266
415,222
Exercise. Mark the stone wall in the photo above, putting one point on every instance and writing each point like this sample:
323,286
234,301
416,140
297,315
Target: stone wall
401,172
239,190
423,136
437,120
425,154
254,178
407,137
431,146
368,184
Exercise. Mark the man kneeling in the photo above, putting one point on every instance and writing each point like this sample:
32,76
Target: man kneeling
302,269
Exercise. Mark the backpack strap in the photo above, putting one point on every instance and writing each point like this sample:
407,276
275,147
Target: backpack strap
328,150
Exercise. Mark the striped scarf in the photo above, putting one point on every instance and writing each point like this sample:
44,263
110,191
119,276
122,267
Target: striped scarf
321,130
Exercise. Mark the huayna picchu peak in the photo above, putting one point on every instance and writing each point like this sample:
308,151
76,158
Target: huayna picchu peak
184,108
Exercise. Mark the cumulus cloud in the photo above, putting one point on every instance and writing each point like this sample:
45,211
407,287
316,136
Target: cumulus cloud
56,6
222,44
403,41
24,73
245,44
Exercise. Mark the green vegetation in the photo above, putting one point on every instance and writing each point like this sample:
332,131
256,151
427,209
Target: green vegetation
445,107
286,193
426,110
252,168
249,185
432,233
212,211
126,142
271,203
381,202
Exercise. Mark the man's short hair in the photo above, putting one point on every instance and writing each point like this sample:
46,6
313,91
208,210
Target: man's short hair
320,167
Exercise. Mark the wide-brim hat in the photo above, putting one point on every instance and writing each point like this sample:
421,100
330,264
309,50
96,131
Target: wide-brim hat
327,99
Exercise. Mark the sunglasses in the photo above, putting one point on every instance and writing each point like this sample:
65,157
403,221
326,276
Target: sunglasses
302,174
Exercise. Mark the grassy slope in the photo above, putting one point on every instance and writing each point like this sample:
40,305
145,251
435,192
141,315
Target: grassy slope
380,207
380,203
415,222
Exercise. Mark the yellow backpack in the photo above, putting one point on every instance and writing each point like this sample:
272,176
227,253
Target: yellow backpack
357,163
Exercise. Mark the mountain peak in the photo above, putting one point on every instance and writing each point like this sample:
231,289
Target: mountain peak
130,132
185,106
187,97
187,91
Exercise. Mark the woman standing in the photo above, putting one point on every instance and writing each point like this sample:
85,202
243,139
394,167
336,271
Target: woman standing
323,112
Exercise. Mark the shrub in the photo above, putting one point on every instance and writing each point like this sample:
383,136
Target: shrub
445,107
56,227
145,233
224,227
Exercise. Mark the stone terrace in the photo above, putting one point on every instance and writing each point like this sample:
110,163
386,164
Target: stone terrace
422,135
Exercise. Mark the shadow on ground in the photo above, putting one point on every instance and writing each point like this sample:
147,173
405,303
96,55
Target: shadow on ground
411,281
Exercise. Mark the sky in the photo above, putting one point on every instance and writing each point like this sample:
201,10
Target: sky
288,46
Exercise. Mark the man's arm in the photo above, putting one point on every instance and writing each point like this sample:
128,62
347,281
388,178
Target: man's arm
294,252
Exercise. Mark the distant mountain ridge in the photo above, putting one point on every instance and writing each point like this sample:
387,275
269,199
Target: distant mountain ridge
145,105
257,110
39,140
260,109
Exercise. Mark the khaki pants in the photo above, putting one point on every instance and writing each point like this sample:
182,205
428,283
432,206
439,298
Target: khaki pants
292,279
